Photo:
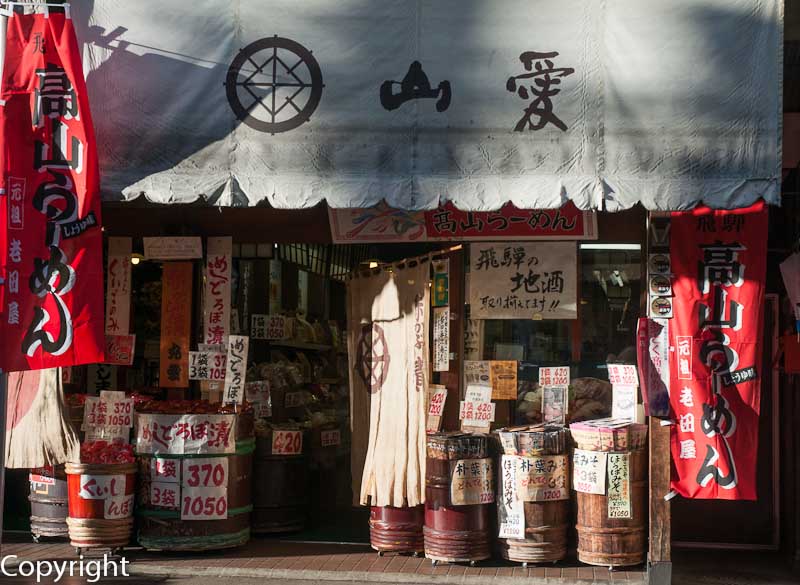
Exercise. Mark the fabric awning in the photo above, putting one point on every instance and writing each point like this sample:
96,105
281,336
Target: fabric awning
606,104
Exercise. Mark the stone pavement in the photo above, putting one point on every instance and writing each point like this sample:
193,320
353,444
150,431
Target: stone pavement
275,559
265,561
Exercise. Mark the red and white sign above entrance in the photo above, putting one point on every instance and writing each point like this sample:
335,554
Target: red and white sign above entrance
383,224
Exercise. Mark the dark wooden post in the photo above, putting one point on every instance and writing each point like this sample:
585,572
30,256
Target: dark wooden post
452,378
659,555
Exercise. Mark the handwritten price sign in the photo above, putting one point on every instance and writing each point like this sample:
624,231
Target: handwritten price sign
557,376
287,442
294,399
118,507
206,472
198,503
164,495
436,405
276,327
330,438
477,412
624,375
101,487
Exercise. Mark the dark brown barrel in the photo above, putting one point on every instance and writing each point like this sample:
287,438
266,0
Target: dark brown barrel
614,542
48,500
279,489
396,529
453,533
163,529
546,522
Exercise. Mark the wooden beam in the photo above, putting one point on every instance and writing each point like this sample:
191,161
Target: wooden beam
659,556
659,565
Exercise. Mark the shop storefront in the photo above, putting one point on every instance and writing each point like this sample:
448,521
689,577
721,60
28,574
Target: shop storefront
335,320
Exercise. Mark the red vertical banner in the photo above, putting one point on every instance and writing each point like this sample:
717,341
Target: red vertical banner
719,264
51,272
176,324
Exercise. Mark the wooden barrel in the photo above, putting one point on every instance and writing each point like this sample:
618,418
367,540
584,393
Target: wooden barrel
100,501
48,498
280,496
546,520
177,523
396,529
615,542
456,532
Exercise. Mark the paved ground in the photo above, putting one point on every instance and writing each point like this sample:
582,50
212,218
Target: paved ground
267,561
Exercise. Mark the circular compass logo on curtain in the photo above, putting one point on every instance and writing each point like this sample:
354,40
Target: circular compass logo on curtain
274,85
372,357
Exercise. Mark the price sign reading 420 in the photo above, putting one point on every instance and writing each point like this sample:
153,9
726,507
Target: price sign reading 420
287,442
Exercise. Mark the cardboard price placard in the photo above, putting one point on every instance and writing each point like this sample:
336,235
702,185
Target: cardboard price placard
277,328
108,417
258,394
101,487
165,495
204,472
437,396
204,503
554,376
542,479
118,507
555,401
619,485
624,399
258,326
477,413
441,339
510,509
330,438
165,470
207,365
472,482
185,434
235,369
294,399
622,374
589,471
120,349
503,379
477,372
287,442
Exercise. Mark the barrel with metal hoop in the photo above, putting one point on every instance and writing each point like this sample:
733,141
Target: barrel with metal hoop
195,496
396,529
609,534
533,495
459,488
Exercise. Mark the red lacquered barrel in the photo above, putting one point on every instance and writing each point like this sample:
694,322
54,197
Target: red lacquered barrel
100,501
396,529
454,533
